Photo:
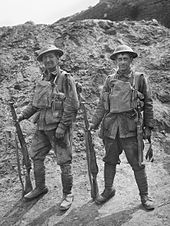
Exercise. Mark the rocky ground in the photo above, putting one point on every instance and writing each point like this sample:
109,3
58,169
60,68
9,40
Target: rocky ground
117,10
87,45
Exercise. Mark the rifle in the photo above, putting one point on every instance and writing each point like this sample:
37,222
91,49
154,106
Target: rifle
24,150
149,154
91,155
18,164
139,135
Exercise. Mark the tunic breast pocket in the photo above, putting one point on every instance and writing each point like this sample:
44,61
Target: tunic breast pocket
57,105
57,108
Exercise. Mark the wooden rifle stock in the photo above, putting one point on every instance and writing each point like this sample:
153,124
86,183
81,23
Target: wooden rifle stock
24,150
149,154
91,156
140,137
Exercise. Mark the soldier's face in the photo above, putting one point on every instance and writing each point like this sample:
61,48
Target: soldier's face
123,61
50,60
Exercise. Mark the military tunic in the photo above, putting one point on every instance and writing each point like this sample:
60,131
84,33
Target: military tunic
55,104
119,130
122,122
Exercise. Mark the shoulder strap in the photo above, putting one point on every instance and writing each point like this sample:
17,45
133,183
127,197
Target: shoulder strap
66,81
136,79
70,88
61,80
110,78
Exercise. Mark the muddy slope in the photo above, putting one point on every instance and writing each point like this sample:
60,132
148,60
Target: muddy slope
87,45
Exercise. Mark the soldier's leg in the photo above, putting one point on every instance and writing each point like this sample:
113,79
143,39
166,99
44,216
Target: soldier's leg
67,184
63,151
38,151
110,160
130,147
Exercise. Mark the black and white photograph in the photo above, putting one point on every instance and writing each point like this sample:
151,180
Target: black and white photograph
85,113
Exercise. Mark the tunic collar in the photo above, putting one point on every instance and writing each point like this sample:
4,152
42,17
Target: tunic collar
52,76
125,75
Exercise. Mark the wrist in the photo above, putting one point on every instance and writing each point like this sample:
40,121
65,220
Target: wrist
62,126
21,117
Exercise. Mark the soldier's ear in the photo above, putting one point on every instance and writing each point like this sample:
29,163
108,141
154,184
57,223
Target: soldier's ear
57,56
131,58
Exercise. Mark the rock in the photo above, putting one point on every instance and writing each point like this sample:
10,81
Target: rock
87,47
116,10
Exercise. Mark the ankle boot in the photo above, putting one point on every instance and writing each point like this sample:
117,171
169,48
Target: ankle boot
66,202
147,202
67,183
109,191
141,181
39,175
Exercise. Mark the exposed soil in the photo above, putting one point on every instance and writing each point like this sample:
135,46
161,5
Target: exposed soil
87,45
123,209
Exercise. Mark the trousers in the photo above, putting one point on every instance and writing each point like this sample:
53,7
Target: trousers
43,142
114,148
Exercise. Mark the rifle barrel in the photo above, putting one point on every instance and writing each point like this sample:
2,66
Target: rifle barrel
24,150
91,156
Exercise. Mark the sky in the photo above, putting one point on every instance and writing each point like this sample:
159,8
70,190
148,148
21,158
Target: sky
15,12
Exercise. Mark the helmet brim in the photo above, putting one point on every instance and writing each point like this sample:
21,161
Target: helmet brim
114,55
58,52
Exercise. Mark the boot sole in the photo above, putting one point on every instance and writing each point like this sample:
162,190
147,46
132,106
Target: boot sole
112,194
148,208
45,191
65,208
62,208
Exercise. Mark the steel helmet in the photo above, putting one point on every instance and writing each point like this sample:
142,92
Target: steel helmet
123,49
49,48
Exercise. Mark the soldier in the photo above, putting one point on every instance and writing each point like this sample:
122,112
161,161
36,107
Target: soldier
55,104
119,128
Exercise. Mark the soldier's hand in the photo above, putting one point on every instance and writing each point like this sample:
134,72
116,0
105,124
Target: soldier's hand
147,133
79,87
92,126
59,133
20,117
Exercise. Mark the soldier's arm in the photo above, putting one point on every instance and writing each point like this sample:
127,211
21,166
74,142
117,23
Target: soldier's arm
28,112
71,103
102,106
145,89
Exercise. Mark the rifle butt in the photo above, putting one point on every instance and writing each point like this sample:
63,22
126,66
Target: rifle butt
140,154
94,187
140,143
28,185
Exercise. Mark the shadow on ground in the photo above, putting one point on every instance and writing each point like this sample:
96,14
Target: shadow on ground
18,211
54,210
88,214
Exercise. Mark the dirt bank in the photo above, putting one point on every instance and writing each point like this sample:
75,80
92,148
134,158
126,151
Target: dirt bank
87,45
